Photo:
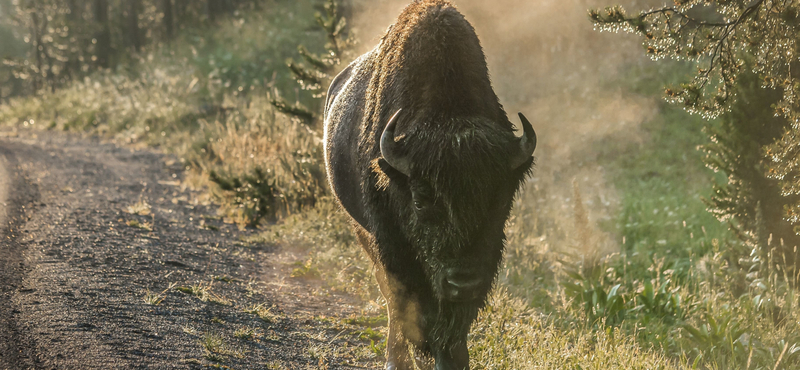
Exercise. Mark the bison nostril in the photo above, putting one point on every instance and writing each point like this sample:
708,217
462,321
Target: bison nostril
462,281
465,283
461,285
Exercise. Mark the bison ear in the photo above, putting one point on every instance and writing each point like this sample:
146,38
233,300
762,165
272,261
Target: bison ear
390,171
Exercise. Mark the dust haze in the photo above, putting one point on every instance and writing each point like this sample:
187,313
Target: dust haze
547,61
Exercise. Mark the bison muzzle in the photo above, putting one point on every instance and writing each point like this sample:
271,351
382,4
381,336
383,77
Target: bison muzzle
422,156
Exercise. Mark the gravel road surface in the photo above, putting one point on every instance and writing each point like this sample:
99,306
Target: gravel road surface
77,265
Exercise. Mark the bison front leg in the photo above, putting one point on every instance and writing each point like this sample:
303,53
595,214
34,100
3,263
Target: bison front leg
397,355
455,359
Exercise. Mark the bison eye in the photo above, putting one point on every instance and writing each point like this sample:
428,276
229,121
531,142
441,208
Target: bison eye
422,199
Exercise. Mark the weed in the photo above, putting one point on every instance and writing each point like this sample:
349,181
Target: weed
204,293
254,193
368,321
190,330
371,335
326,234
140,225
317,352
217,349
263,312
226,279
188,290
590,291
152,298
141,208
156,298
377,348
509,335
245,333
660,301
305,269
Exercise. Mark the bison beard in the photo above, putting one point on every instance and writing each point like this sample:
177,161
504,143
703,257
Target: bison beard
422,156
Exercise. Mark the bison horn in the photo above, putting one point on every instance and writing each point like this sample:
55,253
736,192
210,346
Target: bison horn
390,149
527,143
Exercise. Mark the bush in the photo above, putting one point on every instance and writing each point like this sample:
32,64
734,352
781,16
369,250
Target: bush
750,202
266,165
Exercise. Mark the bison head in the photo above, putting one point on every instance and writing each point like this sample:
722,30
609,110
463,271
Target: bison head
453,181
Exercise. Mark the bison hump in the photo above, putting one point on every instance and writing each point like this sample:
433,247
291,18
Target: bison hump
436,57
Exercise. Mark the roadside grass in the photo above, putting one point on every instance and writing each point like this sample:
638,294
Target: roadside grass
245,333
204,293
217,349
140,225
140,208
153,298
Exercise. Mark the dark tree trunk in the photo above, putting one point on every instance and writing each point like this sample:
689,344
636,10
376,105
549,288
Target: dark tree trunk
44,62
37,42
168,19
211,9
74,10
134,34
76,49
102,48
216,7
180,9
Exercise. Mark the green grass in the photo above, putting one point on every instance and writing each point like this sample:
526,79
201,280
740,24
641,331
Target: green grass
217,349
510,335
245,333
675,285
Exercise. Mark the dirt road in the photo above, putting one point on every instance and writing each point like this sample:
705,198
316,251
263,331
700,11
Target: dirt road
87,283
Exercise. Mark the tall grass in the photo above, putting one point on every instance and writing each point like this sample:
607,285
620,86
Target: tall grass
510,335
661,272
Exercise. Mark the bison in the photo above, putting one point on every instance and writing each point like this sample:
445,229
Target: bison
422,156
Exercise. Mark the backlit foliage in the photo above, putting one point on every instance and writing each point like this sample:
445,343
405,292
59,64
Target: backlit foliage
318,71
726,38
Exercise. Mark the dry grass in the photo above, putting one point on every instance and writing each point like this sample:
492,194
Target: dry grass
217,349
140,208
254,138
205,293
140,225
263,312
509,335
